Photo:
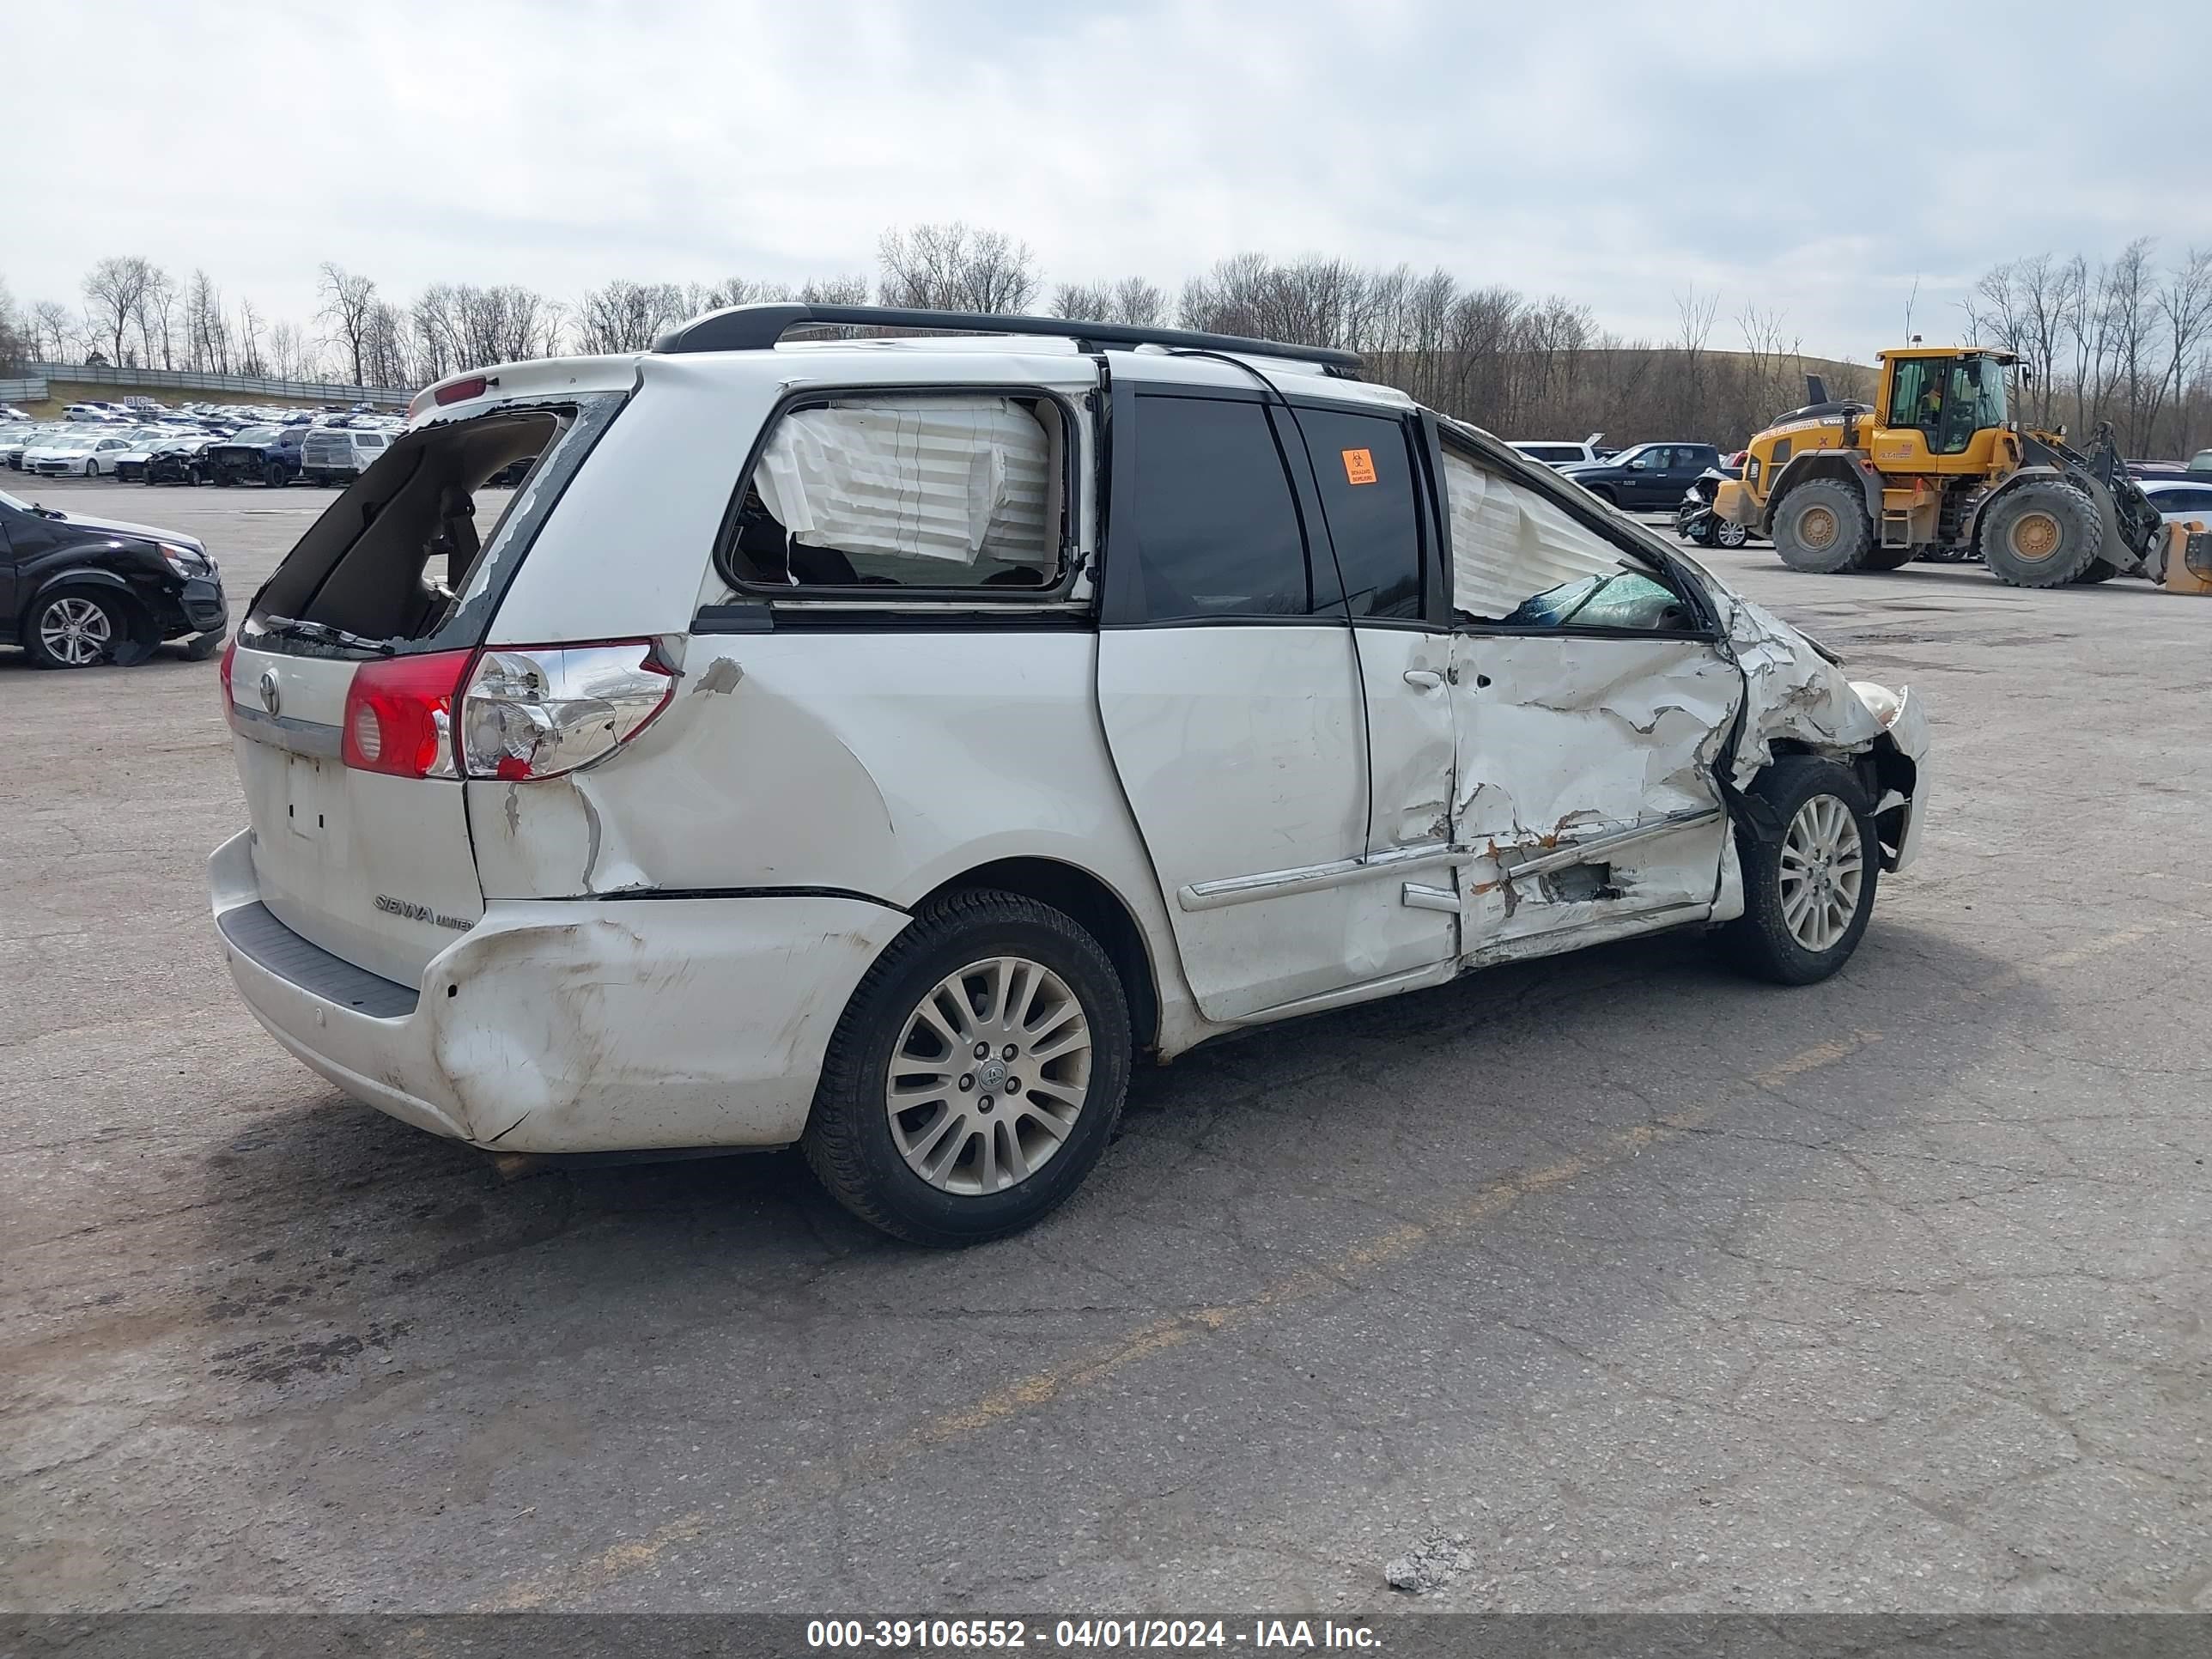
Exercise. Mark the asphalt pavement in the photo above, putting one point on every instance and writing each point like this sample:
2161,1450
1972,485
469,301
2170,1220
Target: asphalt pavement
1608,1281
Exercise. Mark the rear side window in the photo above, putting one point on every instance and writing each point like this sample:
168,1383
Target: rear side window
1218,529
882,491
1365,470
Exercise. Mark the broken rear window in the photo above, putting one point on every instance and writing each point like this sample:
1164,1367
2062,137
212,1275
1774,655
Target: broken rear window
409,557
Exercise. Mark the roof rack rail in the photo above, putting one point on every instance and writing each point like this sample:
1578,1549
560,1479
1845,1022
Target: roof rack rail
759,327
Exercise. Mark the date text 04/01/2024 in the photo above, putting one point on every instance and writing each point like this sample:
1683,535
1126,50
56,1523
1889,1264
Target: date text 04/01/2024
897,1634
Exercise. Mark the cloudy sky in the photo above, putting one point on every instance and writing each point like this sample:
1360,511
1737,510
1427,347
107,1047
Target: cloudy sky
1815,160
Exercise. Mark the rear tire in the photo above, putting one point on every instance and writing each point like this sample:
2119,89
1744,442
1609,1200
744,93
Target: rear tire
972,1155
1821,528
1808,894
2099,570
1888,558
2043,533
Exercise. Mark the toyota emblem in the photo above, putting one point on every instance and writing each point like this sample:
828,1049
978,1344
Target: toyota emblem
272,698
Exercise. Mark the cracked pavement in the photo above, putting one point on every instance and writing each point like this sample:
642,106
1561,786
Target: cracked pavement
1652,1288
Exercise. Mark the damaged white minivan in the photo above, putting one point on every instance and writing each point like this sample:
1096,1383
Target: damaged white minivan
878,743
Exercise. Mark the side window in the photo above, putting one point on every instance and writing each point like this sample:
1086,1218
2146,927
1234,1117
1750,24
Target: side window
879,491
1366,474
1518,559
1218,530
1915,394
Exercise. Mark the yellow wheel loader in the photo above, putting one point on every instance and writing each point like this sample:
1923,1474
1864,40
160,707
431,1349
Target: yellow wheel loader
1937,467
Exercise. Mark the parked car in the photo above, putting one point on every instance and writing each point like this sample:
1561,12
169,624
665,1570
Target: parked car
181,459
757,787
2155,469
1645,474
2178,500
260,454
75,592
336,454
81,454
22,439
1553,452
2201,461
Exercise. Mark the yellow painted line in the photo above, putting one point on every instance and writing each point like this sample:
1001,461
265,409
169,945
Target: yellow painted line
568,1586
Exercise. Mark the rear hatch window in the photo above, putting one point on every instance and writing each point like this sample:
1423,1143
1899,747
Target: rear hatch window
402,562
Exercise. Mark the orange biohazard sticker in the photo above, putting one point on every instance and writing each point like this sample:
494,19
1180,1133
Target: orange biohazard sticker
1360,465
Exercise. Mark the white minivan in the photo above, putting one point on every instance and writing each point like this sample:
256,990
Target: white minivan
880,743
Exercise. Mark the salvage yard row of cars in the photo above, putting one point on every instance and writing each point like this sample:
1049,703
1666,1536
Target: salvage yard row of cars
199,444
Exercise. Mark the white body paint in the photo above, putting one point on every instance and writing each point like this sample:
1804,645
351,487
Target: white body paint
654,952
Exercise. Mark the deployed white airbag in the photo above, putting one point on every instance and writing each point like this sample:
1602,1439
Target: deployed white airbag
951,479
1509,544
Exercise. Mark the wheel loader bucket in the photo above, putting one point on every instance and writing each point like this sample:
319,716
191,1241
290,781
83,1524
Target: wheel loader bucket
2188,558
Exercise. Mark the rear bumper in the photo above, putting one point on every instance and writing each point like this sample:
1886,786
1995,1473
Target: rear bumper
558,1026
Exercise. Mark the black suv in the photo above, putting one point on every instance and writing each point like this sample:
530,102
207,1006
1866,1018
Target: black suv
1644,475
76,592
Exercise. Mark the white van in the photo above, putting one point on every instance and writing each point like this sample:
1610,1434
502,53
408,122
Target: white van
880,743
339,454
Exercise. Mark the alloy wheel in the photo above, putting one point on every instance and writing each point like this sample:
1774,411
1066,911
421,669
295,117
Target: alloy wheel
989,1076
1823,868
75,631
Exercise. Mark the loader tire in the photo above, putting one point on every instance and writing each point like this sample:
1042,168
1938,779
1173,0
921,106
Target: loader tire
2043,534
1888,558
2099,570
1822,528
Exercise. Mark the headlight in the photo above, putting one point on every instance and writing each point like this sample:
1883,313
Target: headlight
184,561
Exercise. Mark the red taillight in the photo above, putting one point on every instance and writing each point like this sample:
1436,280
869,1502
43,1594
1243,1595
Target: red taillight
229,709
399,714
461,391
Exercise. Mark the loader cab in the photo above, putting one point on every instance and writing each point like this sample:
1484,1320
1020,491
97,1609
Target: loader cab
1941,410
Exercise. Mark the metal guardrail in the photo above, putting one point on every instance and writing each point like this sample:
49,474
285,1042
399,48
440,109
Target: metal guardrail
22,391
244,385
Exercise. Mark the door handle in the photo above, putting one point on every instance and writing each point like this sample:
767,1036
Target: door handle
1423,679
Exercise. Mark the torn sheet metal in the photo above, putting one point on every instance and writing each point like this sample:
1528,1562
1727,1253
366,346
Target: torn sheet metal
1794,691
1567,740
950,478
1509,543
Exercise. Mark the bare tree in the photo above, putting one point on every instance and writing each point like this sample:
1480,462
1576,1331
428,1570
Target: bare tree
15,333
625,316
953,268
157,305
251,360
207,334
114,291
54,330
2185,306
349,304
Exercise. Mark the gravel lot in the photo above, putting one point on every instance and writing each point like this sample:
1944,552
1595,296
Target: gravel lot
1655,1288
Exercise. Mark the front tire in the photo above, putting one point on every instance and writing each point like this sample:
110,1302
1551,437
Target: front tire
924,1124
2098,570
1888,558
1807,893
1729,534
1821,528
273,475
74,628
2043,533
